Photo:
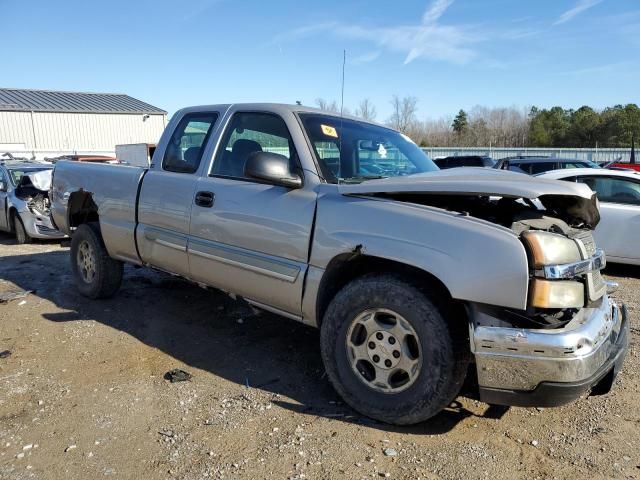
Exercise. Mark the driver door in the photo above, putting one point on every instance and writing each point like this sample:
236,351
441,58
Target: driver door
252,238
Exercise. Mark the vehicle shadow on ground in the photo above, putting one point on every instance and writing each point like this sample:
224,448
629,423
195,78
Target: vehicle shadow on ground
622,270
207,330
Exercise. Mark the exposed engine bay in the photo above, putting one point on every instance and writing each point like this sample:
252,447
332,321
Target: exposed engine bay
554,213
34,189
570,216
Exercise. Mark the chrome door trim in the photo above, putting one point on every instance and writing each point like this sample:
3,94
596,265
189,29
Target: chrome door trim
166,239
250,261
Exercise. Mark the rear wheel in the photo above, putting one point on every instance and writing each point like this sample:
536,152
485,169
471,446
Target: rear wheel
97,275
22,236
390,353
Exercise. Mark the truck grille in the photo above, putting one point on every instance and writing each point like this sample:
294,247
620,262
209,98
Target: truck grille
596,286
589,244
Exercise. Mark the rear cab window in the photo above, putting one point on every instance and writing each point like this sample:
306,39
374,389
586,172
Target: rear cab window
186,146
538,167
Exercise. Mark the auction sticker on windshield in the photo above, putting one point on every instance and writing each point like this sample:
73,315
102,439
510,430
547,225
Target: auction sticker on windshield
329,131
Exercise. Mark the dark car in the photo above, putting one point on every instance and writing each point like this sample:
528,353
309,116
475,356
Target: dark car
534,165
464,161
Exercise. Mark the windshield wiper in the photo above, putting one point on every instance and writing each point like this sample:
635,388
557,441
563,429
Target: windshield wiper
363,178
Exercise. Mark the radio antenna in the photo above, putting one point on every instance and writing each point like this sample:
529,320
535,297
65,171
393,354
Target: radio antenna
344,62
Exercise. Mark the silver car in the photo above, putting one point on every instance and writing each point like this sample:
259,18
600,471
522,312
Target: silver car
24,200
619,195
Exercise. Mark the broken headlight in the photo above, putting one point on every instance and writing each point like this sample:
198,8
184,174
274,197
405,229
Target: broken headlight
556,294
551,249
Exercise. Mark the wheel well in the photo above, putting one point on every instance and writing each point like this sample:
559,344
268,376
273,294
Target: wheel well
12,211
347,267
82,209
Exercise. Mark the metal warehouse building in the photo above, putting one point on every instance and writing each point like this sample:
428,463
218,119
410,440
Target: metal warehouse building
44,123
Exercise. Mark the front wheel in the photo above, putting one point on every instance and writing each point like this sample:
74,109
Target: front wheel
389,351
96,274
22,237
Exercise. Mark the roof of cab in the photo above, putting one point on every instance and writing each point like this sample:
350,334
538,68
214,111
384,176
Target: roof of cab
275,108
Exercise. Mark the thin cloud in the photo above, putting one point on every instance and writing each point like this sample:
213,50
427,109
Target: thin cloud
435,11
366,58
196,9
579,7
606,69
429,39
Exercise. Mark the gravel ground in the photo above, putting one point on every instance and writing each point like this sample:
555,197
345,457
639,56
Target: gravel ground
82,395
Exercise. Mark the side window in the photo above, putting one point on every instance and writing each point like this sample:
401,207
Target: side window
521,167
251,132
456,162
541,167
441,162
184,152
615,190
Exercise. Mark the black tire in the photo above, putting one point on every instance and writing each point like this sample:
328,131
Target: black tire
103,278
22,237
444,350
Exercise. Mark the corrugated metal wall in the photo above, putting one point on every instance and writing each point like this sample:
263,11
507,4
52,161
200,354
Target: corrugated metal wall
15,127
78,131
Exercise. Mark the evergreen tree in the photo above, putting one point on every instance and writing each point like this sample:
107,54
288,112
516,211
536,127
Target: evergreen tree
460,123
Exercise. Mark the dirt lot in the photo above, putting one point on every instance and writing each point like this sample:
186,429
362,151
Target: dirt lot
82,395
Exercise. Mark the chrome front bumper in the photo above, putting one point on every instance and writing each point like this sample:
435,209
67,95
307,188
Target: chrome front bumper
519,361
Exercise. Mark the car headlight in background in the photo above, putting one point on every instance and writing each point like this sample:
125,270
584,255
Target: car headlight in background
551,249
556,294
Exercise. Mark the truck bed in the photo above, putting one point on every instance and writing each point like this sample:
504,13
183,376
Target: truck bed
114,190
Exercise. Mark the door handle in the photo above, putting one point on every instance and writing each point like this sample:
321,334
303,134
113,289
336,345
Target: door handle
205,199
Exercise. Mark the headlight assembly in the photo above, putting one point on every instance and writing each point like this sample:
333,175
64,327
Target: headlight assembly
550,248
557,294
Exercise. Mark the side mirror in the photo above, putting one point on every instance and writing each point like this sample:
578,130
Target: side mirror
271,168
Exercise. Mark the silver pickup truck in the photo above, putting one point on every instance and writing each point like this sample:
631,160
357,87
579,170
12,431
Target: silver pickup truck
415,277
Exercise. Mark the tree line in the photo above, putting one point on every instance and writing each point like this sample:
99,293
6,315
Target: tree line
586,127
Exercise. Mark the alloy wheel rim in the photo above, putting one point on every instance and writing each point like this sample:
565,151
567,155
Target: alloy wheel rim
86,261
384,350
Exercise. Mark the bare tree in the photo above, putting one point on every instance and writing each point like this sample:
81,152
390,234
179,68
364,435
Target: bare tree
326,105
404,113
498,127
366,110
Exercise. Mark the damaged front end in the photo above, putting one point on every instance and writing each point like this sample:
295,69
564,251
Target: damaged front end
571,338
33,190
556,233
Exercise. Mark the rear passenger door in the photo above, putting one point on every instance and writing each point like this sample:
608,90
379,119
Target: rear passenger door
167,193
253,238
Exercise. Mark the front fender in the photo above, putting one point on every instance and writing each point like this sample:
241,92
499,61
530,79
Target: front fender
476,260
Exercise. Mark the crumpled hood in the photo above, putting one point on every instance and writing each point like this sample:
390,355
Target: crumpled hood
471,181
575,203
40,180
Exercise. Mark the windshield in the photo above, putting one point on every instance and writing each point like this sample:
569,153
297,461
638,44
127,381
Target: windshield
16,174
351,151
583,164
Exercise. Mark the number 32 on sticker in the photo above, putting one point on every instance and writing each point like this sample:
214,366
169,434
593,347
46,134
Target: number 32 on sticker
329,131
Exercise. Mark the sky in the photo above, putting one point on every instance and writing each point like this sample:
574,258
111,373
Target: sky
450,54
